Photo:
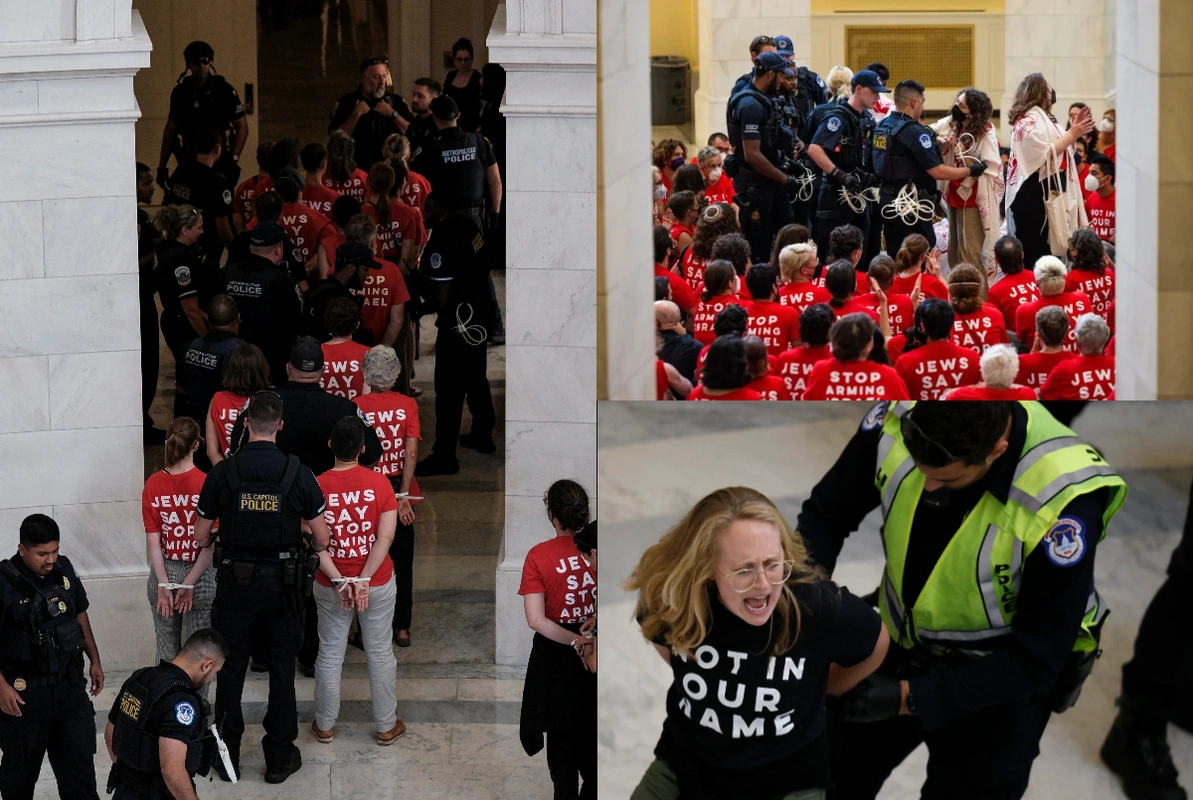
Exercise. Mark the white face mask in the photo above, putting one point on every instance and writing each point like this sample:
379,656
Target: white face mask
1106,125
715,175
1091,183
660,192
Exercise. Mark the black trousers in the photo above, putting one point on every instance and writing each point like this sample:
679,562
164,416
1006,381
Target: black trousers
896,230
258,619
1031,222
401,552
460,377
1156,681
571,756
774,211
150,357
832,213
58,721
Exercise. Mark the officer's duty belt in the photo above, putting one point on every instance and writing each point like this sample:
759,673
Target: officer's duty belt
261,570
34,681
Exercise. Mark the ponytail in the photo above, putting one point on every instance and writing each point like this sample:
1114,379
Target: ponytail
381,183
912,251
181,436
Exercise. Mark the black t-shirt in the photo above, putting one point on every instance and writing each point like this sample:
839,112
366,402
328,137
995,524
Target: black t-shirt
199,185
751,119
258,461
372,129
215,105
176,715
455,254
181,271
455,165
422,133
739,717
468,98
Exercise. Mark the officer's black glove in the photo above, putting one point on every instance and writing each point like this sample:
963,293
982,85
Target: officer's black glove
873,700
847,179
977,168
163,177
792,186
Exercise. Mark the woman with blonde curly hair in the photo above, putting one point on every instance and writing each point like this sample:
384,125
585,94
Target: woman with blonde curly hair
976,324
755,637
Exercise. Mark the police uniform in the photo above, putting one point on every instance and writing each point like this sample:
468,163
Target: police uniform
456,164
147,238
291,264
270,307
215,104
181,271
260,496
198,185
843,135
372,129
41,656
157,703
204,362
987,594
316,303
422,132
903,151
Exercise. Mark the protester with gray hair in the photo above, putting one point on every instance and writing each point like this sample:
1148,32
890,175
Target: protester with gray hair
1000,364
1089,376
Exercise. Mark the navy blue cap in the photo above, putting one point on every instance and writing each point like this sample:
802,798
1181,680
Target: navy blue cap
267,234
306,354
784,46
773,62
868,78
355,253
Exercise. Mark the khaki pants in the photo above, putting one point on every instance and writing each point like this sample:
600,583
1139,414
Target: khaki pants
966,238
660,783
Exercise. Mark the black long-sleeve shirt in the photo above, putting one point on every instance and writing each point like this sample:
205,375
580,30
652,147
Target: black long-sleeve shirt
1052,598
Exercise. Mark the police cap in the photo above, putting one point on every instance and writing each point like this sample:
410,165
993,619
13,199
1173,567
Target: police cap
355,253
196,50
445,108
306,354
784,46
267,234
870,79
773,62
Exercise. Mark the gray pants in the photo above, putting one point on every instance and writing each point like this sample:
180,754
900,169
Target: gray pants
173,631
376,631
660,783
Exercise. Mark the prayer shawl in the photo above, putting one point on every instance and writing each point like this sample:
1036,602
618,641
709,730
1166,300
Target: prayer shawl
1031,137
989,186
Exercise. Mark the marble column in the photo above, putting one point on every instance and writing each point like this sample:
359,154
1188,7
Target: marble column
70,381
548,48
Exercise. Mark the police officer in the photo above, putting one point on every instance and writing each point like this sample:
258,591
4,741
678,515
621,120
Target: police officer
158,733
453,277
809,90
758,46
204,100
183,278
260,496
205,357
991,514
756,165
268,300
371,113
353,262
422,129
460,165
907,161
798,97
196,182
839,149
147,239
44,631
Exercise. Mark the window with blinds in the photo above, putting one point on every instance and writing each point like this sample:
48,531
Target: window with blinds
938,56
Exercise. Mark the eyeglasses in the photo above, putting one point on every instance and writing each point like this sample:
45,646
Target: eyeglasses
916,438
372,62
774,572
202,61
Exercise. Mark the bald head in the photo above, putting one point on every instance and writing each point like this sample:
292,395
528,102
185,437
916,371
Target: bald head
222,311
666,314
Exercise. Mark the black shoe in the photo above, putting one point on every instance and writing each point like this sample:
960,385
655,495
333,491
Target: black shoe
1139,753
279,773
218,766
308,670
154,435
259,666
436,465
478,443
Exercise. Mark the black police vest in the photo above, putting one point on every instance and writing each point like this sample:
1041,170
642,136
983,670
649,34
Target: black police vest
769,131
810,92
50,636
136,744
461,175
889,163
262,523
852,140
202,110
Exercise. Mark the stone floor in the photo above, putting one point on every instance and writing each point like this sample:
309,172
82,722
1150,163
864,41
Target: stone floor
654,464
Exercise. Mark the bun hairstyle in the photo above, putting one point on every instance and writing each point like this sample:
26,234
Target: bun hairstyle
462,44
568,503
172,219
181,436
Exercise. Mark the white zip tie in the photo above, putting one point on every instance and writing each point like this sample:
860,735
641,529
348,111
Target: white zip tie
908,207
858,200
408,496
344,582
173,586
224,755
473,334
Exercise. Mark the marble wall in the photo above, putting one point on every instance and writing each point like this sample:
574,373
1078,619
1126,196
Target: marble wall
548,48
70,429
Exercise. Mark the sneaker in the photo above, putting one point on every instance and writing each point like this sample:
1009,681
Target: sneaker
436,465
279,772
393,734
322,735
1139,754
478,443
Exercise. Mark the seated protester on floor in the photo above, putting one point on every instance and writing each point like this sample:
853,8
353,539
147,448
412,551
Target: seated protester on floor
206,357
416,189
353,263
168,510
676,347
304,225
976,324
1089,376
394,416
720,290
242,198
789,234
343,359
1050,277
662,289
899,307
1017,286
849,375
314,194
267,207
716,221
763,621
938,364
685,207
681,294
362,514
796,365
777,325
840,279
768,385
916,263
246,374
401,234
726,372
1052,328
1100,197
718,186
732,320
846,243
1089,271
797,265
735,248
558,591
342,211
342,174
1000,363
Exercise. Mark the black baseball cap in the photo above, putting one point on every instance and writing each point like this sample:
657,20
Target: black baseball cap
306,354
773,62
868,78
267,234
444,108
196,50
350,253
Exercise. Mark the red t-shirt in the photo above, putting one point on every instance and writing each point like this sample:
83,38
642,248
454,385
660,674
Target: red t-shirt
776,325
319,198
225,407
356,186
769,387
681,293
1034,368
1011,292
744,393
414,193
1110,346
242,198
1110,314
1098,288
895,345
1080,378
356,499
1101,214
556,569
954,197
899,310
721,191
858,304
1074,303
343,366
394,417
383,289
305,226
771,361
861,285
661,381
1109,152
1014,392
706,314
796,365
677,229
855,380
980,329
930,286
801,295
405,223
932,369
168,509
692,269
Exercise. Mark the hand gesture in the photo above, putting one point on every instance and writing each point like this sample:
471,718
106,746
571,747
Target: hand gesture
1084,124
878,293
384,109
361,109
405,512
165,602
932,262
1037,344
184,600
10,701
916,293
97,678
362,597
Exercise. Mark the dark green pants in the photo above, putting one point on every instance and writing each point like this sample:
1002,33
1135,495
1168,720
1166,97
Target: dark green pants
660,783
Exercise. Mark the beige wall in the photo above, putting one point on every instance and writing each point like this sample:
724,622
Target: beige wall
421,30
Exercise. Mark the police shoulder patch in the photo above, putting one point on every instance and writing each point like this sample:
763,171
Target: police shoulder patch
185,713
183,276
227,197
925,141
436,261
1065,543
875,416
820,80
834,124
